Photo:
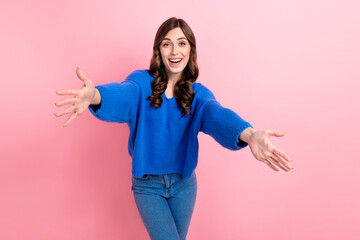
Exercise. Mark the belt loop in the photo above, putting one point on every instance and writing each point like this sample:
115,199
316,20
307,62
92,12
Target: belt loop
165,180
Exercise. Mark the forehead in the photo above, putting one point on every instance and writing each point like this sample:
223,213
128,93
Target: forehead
175,33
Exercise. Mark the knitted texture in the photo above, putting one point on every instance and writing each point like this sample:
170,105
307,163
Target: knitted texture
160,141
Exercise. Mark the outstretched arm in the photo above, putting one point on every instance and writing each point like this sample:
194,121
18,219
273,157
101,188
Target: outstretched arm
263,150
112,102
223,124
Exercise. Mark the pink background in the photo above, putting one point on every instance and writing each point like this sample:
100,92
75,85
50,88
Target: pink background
281,65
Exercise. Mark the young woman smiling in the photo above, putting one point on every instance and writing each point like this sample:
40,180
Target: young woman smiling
165,108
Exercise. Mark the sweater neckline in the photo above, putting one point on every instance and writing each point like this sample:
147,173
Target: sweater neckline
164,95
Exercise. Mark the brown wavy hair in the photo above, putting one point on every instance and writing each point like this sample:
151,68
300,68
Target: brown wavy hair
183,92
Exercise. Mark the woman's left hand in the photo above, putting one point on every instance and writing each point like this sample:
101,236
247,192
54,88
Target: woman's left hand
264,151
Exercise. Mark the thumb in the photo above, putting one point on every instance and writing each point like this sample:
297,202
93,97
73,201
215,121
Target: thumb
277,134
81,75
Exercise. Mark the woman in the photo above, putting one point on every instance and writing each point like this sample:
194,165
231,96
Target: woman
165,108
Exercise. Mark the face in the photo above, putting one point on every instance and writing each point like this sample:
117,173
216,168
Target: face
173,48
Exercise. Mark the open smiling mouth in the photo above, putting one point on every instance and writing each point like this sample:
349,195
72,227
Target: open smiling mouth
175,61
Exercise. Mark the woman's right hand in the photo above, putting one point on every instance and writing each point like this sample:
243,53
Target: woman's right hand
81,99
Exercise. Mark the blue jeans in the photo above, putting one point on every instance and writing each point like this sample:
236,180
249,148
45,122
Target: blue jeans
165,203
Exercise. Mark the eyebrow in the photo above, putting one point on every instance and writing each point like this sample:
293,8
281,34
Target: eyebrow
177,39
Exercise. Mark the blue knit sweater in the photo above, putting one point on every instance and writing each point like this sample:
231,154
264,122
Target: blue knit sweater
161,142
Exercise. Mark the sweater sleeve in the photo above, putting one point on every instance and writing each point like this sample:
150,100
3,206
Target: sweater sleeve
221,123
119,101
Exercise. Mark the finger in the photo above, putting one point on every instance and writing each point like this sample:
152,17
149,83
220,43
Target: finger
66,101
81,75
278,163
271,160
276,133
65,111
68,92
270,165
70,119
283,155
280,160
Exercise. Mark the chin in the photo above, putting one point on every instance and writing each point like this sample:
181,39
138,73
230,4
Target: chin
175,70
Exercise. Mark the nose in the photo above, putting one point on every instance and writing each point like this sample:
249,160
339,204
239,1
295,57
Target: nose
174,50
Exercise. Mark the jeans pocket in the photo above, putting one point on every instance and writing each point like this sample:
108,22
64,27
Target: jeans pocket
146,176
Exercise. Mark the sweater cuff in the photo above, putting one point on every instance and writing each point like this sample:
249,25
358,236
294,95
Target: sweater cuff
239,144
95,107
99,111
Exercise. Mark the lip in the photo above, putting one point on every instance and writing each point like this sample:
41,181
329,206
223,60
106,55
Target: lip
175,64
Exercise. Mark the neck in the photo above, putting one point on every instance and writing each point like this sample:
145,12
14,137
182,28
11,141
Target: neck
173,78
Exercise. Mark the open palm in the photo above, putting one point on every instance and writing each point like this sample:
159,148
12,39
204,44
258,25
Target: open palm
264,151
80,101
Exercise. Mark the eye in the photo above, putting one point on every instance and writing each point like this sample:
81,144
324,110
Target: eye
183,44
165,44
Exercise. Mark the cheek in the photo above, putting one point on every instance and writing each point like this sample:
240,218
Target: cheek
163,55
188,53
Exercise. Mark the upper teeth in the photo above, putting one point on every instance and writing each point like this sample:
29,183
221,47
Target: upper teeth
175,60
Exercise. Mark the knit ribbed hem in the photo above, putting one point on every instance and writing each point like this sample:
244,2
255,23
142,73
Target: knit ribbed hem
140,174
239,144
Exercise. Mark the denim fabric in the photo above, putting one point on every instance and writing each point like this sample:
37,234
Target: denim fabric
165,203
